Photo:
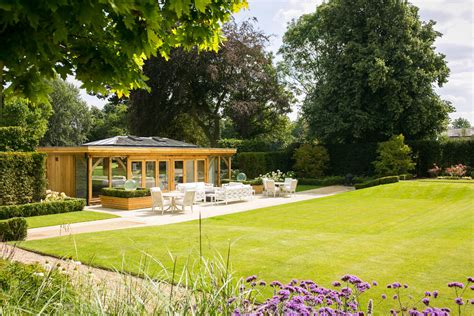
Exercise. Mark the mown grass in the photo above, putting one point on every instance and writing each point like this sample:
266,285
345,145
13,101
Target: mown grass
306,187
420,233
66,218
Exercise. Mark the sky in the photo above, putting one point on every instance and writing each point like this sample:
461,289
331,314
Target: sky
455,19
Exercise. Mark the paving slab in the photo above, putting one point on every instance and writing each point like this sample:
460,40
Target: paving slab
146,217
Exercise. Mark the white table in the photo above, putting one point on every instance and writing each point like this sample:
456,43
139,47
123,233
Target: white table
173,195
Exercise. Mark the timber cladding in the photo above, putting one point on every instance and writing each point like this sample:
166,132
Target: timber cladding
125,203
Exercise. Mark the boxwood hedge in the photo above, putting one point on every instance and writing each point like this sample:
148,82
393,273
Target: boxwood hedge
379,181
119,192
42,208
13,229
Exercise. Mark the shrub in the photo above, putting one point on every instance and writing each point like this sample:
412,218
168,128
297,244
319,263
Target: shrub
42,208
351,158
17,138
276,175
434,171
22,177
13,229
458,170
379,181
311,160
334,180
406,176
122,193
393,157
254,164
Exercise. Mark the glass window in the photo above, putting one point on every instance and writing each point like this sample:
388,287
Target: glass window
178,172
200,171
150,174
190,171
163,184
119,172
137,172
100,175
213,170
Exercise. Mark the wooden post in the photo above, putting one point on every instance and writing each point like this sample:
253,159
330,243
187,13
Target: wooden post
129,168
143,184
219,171
89,180
230,167
110,172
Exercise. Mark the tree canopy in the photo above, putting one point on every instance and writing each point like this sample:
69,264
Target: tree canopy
461,122
102,43
71,119
368,70
239,83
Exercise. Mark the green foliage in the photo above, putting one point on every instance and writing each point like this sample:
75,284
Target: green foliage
461,122
17,138
42,208
238,84
406,176
254,164
22,177
102,43
393,157
325,181
109,121
13,229
379,181
368,71
311,161
71,120
355,159
122,193
32,120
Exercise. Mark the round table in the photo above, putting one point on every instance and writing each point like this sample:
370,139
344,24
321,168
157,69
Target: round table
173,195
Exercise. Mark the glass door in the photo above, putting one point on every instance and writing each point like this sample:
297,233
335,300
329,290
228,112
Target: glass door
150,172
178,172
163,177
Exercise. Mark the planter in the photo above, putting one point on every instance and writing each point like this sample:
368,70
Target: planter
122,203
258,188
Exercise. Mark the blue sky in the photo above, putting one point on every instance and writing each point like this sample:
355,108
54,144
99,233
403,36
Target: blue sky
455,19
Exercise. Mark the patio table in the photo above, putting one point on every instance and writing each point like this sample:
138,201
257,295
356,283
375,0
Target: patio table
173,195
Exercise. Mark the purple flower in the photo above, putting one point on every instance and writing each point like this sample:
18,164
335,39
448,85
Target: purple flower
253,284
472,301
374,283
435,294
262,283
395,297
472,287
393,312
276,284
284,293
459,301
230,300
251,278
456,284
336,283
427,293
405,286
389,286
236,312
396,285
470,279
426,301
384,296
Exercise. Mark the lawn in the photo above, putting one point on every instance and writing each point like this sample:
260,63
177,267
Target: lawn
420,233
66,218
306,187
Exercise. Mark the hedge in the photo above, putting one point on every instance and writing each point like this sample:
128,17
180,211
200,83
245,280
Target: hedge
250,145
13,229
254,164
22,177
379,181
16,138
120,192
42,208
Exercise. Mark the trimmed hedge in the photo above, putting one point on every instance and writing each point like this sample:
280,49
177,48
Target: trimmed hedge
17,138
254,164
406,176
42,208
13,229
22,177
122,193
379,181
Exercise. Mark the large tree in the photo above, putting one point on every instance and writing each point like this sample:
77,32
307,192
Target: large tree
109,121
71,120
238,82
367,70
102,42
461,122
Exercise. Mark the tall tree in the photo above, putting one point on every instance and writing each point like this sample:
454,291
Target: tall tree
102,42
109,121
461,122
367,69
238,82
71,120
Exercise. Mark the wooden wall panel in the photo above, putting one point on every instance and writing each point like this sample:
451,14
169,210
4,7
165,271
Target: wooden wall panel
60,170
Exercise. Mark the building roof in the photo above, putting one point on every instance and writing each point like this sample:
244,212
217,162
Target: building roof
461,132
135,141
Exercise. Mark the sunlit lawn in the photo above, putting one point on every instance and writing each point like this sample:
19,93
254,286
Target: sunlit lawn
420,233
66,218
306,187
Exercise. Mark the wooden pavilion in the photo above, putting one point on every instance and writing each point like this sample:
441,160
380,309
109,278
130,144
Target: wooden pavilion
151,161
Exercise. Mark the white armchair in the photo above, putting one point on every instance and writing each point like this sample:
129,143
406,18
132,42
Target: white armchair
158,200
198,187
233,192
289,188
271,188
187,200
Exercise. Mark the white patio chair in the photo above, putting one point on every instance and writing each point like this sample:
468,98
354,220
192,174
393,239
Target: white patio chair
290,188
187,200
264,182
272,188
157,200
